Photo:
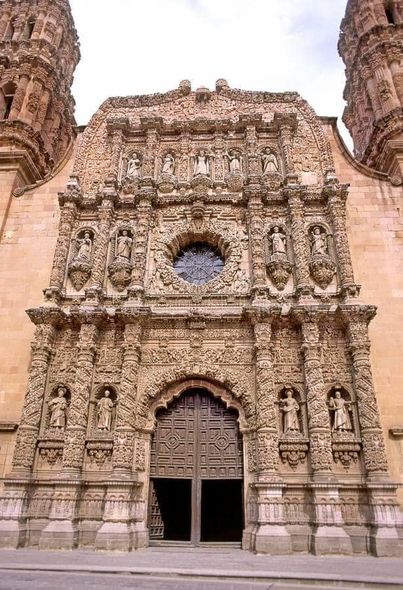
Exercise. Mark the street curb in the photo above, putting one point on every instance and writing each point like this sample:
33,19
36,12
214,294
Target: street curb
258,575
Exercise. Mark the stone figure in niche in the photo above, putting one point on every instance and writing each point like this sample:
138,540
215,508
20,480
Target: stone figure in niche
290,408
202,164
278,241
124,245
234,161
104,411
341,420
318,242
84,247
133,166
168,164
57,408
269,162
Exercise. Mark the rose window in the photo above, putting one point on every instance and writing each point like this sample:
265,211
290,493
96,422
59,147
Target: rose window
198,263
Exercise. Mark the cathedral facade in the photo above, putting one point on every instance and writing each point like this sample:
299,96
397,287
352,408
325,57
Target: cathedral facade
200,367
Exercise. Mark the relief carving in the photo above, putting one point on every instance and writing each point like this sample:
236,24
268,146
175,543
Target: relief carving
79,269
321,265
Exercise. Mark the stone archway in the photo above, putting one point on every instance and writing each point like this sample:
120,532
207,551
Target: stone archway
196,467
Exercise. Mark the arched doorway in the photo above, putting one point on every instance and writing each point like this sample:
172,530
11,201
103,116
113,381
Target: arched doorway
196,472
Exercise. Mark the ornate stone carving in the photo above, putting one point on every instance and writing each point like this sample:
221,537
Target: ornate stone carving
321,265
278,266
120,270
80,266
104,412
58,409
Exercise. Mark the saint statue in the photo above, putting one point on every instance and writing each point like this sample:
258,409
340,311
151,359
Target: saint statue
339,406
124,245
168,164
318,242
202,164
133,166
104,411
290,408
84,247
269,162
57,407
234,161
278,241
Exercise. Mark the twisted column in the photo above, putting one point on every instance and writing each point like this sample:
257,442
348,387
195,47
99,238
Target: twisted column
318,414
24,454
139,259
124,437
299,241
105,217
74,446
267,432
371,432
256,239
68,217
337,210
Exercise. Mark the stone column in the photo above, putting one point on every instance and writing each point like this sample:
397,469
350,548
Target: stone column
371,432
99,261
24,455
382,494
36,33
123,448
328,535
4,20
256,239
271,535
74,446
68,217
19,97
139,257
337,210
299,242
13,498
318,413
118,530
42,110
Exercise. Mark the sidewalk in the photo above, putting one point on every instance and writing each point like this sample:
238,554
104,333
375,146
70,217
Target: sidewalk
213,564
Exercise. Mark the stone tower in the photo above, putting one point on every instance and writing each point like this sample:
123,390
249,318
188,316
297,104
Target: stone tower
39,53
371,45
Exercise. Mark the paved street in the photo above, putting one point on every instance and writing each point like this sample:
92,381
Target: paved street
192,569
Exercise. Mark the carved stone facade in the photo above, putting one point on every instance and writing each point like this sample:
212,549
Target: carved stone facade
202,245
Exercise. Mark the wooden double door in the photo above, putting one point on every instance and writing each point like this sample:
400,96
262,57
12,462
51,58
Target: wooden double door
196,472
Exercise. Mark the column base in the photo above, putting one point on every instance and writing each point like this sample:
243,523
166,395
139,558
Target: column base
385,542
331,540
140,536
59,534
272,539
13,534
114,536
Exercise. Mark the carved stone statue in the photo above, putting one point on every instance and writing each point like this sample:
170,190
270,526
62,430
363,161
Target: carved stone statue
269,162
339,406
278,241
84,247
124,245
234,161
133,166
318,242
202,164
290,408
104,411
57,407
168,164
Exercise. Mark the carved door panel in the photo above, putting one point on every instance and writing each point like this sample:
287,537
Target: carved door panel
196,438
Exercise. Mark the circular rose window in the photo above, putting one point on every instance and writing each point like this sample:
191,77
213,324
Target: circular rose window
198,263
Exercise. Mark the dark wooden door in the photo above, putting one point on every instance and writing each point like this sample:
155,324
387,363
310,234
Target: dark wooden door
196,438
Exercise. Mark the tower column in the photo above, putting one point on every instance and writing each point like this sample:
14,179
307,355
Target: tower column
19,97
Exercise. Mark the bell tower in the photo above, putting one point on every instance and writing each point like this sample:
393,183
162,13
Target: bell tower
371,46
39,52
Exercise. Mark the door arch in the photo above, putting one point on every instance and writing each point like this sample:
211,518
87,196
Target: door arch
196,471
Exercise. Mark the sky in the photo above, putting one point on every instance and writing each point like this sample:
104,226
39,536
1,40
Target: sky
133,47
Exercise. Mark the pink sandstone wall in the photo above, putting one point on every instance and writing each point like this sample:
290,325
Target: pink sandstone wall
375,229
26,253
